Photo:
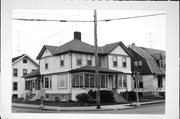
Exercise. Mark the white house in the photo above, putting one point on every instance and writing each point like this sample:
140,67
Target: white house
21,65
69,69
151,65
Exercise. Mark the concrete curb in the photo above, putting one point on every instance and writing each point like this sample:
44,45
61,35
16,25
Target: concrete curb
94,108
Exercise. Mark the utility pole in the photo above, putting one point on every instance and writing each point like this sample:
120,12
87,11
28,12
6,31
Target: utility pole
96,62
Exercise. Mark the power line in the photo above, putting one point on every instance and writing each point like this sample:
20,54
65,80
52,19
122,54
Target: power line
104,20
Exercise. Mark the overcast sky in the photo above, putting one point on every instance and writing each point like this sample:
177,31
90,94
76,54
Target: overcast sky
33,35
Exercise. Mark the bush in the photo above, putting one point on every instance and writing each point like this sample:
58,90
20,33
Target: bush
105,96
82,98
130,96
57,99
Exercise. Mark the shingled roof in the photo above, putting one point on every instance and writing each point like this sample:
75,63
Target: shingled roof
150,55
35,73
16,59
92,69
82,47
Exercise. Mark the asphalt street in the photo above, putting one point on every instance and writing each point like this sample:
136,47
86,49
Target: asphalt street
147,109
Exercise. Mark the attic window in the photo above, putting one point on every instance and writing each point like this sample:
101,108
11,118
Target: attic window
24,61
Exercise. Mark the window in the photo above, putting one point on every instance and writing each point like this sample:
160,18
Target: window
15,96
114,61
89,60
15,72
103,81
24,71
140,64
80,80
139,83
46,63
124,61
79,59
33,69
62,60
135,63
161,63
24,61
15,86
62,81
122,81
160,84
46,82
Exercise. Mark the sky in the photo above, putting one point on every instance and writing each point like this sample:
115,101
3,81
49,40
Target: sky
28,37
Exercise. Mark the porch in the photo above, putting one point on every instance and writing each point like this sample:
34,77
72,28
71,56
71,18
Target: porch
83,80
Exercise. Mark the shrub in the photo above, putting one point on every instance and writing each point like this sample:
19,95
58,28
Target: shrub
57,99
82,98
105,96
130,96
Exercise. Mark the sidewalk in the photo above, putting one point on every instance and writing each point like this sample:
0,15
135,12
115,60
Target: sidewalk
88,108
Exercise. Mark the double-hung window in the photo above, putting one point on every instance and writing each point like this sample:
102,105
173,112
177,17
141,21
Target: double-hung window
62,60
124,63
140,64
24,71
115,61
46,63
15,72
122,81
79,59
89,60
46,82
15,86
62,81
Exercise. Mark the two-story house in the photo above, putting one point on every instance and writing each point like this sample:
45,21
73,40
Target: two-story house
69,69
151,65
21,65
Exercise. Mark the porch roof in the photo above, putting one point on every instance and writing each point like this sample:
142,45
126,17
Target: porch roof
35,73
92,69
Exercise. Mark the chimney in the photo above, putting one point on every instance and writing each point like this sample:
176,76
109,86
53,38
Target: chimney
77,35
133,44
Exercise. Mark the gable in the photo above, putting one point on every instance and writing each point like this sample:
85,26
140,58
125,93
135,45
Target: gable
46,53
119,50
30,62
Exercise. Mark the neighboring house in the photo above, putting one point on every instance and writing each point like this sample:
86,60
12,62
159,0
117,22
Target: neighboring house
151,65
21,65
69,69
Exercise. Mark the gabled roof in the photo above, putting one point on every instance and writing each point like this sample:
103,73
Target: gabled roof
110,47
150,55
35,73
92,69
82,47
49,47
18,58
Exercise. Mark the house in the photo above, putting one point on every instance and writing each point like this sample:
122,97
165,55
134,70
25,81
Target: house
69,69
21,65
151,65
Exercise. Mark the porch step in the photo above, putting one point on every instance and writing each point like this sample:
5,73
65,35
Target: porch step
31,97
118,97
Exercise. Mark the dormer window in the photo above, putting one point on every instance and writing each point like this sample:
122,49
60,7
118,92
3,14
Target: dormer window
24,61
